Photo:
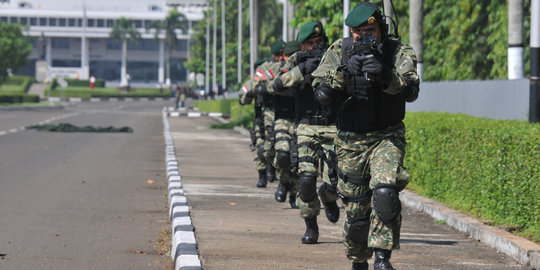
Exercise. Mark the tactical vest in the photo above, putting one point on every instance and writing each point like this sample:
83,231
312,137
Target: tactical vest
284,104
259,102
309,110
380,109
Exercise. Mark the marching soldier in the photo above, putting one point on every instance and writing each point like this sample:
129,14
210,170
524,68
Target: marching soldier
375,74
315,130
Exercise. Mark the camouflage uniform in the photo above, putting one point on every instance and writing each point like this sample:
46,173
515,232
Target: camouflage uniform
369,159
312,138
283,133
245,97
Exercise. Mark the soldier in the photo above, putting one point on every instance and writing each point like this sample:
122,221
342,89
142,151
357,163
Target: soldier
246,95
376,74
283,135
315,130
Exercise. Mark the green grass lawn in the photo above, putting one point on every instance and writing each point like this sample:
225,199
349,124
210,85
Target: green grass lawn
11,89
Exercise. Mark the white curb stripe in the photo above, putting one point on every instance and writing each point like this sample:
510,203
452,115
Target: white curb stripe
183,247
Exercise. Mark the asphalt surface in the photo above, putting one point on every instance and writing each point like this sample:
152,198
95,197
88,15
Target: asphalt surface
240,226
83,200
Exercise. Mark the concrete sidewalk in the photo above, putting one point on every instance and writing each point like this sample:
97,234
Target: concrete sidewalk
239,226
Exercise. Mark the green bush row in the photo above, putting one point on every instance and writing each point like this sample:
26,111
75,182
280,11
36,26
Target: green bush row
102,93
216,105
18,98
484,167
17,84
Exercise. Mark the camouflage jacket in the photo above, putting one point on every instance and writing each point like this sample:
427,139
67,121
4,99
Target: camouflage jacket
330,69
289,74
243,96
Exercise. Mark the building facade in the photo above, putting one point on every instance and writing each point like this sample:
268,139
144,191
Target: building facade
72,37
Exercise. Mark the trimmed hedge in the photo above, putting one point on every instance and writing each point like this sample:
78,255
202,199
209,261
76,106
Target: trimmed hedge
216,105
20,98
17,84
484,167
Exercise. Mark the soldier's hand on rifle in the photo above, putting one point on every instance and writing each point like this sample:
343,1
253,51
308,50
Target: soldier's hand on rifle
324,94
250,94
309,65
261,89
354,65
371,64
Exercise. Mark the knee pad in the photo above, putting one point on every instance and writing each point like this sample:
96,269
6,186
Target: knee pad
307,187
386,202
358,228
283,159
260,152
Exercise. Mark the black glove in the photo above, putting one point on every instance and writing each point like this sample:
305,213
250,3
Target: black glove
278,85
309,65
354,65
261,89
324,94
250,94
372,65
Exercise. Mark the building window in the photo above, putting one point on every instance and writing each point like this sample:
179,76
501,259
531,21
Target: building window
91,22
13,20
60,43
33,21
138,24
110,23
52,21
62,22
72,22
23,20
3,19
113,44
43,21
100,23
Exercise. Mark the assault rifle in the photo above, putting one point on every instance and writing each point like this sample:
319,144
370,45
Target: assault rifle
303,56
365,45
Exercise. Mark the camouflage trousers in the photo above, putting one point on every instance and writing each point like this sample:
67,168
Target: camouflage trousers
259,148
269,152
377,156
283,135
310,139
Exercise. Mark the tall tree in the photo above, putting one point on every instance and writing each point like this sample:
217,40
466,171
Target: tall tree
124,30
14,48
174,21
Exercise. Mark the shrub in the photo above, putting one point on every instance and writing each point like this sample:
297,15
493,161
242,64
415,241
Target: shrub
484,167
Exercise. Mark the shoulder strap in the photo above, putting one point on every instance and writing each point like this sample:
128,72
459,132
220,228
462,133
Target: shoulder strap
346,45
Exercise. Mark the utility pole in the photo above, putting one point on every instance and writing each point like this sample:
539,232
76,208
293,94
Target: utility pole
256,28
285,20
214,48
515,39
251,46
389,13
223,48
416,13
346,7
207,69
239,59
534,98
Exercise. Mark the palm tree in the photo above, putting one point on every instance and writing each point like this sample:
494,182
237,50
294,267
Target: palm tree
174,20
124,30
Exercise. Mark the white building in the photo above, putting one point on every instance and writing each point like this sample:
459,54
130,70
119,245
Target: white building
70,48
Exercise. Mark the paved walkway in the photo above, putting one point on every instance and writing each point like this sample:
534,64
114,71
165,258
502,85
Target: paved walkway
240,226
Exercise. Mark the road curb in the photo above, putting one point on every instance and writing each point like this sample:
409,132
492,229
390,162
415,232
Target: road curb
184,246
521,249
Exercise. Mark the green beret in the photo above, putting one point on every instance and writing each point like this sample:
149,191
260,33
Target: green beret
258,63
277,47
292,47
310,29
359,15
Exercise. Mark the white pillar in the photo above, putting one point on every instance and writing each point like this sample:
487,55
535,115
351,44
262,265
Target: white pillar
207,67
84,59
223,48
48,53
346,8
239,60
214,49
123,68
285,20
251,42
161,65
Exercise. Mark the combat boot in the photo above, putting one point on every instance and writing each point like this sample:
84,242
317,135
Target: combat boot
292,200
270,173
382,259
360,266
312,231
262,178
281,192
331,210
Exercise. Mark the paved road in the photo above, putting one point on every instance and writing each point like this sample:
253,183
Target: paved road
83,200
239,226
